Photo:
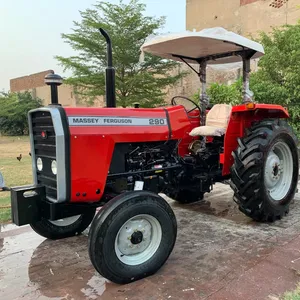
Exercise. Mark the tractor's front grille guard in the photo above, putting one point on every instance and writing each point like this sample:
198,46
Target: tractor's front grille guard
48,146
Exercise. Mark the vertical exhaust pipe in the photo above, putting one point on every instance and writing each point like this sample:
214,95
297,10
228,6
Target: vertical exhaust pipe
109,73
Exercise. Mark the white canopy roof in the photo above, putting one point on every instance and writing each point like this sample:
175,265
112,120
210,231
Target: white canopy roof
201,44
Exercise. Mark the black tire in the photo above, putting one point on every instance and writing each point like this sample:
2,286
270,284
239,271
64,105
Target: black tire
107,229
51,231
186,196
257,178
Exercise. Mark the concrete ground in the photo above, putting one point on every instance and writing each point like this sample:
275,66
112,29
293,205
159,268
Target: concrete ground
219,254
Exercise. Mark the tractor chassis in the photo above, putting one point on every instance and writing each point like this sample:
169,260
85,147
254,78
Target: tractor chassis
29,204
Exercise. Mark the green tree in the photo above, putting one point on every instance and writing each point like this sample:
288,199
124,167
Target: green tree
278,79
136,81
224,93
14,112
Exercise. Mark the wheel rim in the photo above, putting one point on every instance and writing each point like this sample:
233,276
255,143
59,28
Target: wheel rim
66,221
138,239
279,171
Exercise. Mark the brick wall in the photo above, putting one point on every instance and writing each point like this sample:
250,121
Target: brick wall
235,15
28,82
245,2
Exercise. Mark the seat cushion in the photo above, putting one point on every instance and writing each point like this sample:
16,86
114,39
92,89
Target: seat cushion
207,131
219,115
216,121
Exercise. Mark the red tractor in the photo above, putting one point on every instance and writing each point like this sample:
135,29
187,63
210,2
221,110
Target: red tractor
122,158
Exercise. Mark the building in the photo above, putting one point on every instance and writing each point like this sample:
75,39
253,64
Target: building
35,84
245,17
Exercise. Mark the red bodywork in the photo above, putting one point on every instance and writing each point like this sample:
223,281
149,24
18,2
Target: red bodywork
92,147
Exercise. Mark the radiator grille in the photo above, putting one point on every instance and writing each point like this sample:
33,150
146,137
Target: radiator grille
45,148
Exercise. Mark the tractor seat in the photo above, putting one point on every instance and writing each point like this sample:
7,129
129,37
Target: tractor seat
216,121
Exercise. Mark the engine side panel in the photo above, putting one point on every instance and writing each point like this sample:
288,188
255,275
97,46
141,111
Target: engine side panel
241,119
95,131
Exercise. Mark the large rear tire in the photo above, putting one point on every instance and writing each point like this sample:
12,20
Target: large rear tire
132,236
265,170
63,228
187,196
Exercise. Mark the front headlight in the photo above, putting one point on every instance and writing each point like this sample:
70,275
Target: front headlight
39,164
54,167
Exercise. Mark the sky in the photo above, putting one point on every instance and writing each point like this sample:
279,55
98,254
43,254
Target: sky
30,32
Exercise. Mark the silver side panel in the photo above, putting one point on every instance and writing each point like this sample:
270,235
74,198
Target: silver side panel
115,121
60,152
33,158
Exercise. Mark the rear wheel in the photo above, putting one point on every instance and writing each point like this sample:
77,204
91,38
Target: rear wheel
132,236
187,196
265,170
63,228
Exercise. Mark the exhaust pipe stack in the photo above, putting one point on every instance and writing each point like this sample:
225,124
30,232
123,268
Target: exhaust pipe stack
109,73
55,80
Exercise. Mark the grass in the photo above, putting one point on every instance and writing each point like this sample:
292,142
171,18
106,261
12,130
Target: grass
14,172
295,295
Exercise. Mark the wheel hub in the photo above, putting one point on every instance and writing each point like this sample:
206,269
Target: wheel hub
278,171
136,237
272,170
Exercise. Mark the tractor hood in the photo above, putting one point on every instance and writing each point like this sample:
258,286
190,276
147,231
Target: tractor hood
201,44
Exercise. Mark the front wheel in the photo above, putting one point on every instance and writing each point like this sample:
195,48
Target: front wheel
265,170
132,236
63,228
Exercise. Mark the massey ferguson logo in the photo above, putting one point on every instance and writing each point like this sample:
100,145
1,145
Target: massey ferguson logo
96,120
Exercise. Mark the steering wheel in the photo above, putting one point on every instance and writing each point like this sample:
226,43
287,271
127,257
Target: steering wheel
173,102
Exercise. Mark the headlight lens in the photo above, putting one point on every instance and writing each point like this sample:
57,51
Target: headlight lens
39,164
54,167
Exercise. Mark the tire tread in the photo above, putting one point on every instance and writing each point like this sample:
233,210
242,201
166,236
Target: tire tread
247,170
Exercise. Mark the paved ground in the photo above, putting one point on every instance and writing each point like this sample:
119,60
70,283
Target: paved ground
219,254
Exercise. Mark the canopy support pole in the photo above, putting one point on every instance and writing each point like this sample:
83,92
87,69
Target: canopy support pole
204,100
247,94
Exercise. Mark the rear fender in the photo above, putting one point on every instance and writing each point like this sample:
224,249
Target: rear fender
241,118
